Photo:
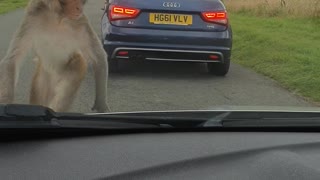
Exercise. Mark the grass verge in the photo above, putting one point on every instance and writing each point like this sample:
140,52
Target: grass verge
285,49
287,8
9,5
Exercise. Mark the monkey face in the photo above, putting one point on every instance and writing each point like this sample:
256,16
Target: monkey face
73,9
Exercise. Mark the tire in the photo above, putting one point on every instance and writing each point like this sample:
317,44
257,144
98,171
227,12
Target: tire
219,69
113,65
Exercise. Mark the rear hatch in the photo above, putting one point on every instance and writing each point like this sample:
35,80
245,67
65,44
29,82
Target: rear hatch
194,15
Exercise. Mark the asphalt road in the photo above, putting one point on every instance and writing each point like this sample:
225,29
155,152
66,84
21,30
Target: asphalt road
160,85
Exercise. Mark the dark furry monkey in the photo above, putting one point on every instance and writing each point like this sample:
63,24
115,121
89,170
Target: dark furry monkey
64,43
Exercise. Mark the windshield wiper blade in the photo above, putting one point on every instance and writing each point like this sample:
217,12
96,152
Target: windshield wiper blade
25,116
216,120
33,116
265,119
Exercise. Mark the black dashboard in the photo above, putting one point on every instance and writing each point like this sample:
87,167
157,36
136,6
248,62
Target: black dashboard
189,155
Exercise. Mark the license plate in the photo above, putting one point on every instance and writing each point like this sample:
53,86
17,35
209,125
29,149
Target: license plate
175,19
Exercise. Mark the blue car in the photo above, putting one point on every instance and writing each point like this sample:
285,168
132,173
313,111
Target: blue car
159,30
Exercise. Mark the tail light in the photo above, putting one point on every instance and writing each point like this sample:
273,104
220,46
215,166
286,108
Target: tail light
120,12
123,53
217,17
214,57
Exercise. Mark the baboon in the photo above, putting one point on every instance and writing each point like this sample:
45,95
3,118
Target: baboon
64,42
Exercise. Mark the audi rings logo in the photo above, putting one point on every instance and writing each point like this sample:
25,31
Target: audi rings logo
171,4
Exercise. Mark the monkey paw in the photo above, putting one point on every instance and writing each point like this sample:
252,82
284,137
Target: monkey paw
100,108
6,98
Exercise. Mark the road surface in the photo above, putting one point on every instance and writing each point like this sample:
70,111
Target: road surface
160,85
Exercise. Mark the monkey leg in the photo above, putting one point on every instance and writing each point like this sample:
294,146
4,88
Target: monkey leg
40,87
7,84
68,83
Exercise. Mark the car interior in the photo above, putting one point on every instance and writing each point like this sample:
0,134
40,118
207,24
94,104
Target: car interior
160,155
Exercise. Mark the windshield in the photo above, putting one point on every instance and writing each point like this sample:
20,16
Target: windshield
101,56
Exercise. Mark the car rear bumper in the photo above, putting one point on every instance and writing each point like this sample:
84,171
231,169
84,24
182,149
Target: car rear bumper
166,45
166,52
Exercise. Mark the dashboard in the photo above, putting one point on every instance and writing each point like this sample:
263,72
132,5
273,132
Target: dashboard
181,155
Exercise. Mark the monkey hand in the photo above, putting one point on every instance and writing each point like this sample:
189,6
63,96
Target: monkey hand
100,107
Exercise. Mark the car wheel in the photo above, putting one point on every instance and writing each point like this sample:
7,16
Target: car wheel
113,65
219,69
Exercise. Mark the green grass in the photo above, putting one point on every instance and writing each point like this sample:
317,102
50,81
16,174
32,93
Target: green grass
285,49
9,5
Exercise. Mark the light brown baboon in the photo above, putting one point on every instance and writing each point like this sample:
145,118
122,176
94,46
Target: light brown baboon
64,43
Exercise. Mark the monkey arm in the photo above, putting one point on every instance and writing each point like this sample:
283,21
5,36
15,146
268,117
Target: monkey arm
99,59
10,64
